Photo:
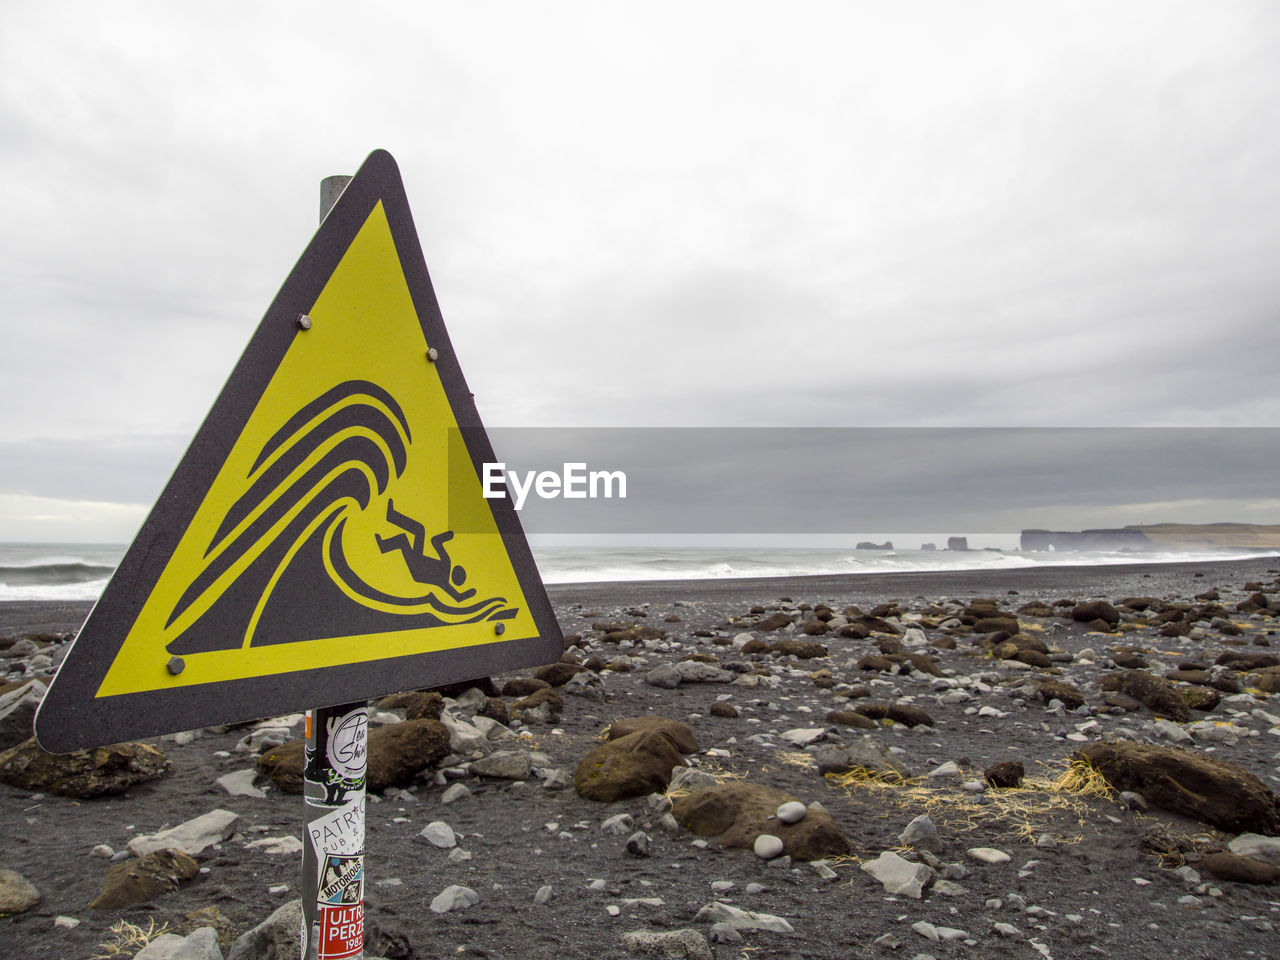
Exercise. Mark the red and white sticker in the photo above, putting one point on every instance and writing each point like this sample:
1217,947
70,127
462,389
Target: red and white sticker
341,931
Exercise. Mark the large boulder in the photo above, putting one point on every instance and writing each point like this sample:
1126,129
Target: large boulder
416,704
18,712
275,938
1228,866
800,649
396,753
775,621
283,764
17,893
866,757
1157,693
192,837
738,813
1183,781
99,772
1092,610
634,765
681,734
143,879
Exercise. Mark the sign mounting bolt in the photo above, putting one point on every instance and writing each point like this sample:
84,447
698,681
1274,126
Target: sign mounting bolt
499,628
176,665
432,354
304,322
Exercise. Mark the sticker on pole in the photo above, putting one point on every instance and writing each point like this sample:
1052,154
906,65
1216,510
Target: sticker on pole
326,537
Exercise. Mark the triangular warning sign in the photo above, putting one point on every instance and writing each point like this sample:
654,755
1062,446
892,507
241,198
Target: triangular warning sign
325,538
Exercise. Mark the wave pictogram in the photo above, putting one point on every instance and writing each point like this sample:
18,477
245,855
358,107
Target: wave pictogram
276,570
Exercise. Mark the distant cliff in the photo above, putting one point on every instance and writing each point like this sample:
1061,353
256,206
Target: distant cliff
1159,536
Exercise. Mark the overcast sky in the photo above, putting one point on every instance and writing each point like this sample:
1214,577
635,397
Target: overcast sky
850,214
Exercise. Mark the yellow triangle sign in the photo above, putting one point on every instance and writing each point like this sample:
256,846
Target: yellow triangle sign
325,538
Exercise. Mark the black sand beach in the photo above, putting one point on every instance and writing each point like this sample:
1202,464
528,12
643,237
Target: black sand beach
1080,881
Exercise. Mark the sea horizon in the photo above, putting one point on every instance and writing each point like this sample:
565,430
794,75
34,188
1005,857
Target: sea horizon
78,572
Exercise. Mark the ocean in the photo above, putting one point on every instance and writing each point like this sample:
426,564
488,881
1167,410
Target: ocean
79,571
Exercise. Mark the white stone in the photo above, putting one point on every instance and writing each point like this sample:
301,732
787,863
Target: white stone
464,739
544,894
898,876
240,783
65,923
690,778
439,834
948,769
792,812
767,846
921,832
804,736
454,897
717,912
619,825
668,943
202,944
989,855
455,792
277,846
191,837
1256,847
504,765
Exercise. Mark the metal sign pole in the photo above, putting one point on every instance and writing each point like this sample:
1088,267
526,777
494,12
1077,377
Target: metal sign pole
334,793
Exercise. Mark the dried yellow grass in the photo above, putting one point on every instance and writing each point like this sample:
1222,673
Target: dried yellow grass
1023,813
129,938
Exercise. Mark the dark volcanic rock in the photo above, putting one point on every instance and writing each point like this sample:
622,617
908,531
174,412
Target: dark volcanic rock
553,700
1006,774
1156,693
1036,609
85,773
523,686
143,879
557,674
1200,698
850,718
283,764
1129,660
396,753
775,622
866,756
400,750
1243,660
800,649
632,766
908,715
737,813
495,708
1033,658
680,734
1069,695
996,625
1227,866
416,704
17,713
1095,610
1183,781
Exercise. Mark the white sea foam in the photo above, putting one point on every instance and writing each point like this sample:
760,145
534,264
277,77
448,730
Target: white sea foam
69,573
